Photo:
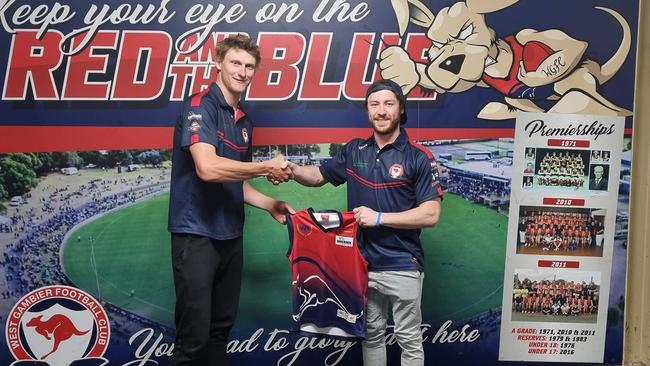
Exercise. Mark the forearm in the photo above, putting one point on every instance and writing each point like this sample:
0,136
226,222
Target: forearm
227,170
425,215
211,167
567,52
557,65
309,176
276,208
256,198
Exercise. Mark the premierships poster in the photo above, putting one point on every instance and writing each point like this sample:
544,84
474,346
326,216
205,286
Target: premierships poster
560,237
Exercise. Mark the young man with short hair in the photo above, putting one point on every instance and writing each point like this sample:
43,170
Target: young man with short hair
394,192
211,162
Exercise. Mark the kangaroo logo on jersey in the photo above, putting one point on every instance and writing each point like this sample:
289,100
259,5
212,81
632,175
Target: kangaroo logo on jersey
315,293
396,171
59,325
244,134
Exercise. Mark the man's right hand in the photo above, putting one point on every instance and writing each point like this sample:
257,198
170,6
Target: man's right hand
307,175
278,170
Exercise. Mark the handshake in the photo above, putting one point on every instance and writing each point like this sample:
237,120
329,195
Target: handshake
279,170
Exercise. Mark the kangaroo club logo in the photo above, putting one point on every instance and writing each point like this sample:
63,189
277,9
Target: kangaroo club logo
58,325
244,134
396,171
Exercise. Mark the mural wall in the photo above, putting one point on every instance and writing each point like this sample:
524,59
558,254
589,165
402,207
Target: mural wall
90,92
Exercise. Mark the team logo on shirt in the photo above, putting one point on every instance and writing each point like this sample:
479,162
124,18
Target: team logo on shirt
244,134
396,171
304,229
195,121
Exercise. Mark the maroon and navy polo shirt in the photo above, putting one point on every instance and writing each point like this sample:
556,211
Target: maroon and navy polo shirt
396,178
215,210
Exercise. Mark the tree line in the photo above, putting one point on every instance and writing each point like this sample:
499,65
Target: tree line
19,172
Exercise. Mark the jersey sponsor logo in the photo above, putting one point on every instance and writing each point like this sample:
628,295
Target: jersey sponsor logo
58,325
346,316
304,229
361,147
396,171
244,134
344,241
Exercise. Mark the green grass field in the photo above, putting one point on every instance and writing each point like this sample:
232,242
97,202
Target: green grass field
464,269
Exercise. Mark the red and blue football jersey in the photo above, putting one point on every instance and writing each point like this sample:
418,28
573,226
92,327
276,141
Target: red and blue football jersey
329,275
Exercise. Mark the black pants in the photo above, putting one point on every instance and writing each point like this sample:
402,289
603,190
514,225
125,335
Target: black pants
207,278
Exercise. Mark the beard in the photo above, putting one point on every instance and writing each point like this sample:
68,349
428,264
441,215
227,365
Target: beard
386,130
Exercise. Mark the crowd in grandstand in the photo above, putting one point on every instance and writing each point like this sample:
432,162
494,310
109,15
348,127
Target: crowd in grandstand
559,231
555,297
6,228
476,189
32,260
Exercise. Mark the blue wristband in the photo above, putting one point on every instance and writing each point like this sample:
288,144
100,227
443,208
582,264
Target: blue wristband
378,223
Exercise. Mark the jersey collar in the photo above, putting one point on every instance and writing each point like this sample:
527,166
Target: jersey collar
326,220
221,100
400,142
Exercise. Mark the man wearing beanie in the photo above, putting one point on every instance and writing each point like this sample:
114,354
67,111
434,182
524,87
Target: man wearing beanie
394,192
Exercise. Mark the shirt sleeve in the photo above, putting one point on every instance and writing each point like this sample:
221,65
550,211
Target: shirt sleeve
427,184
197,125
335,170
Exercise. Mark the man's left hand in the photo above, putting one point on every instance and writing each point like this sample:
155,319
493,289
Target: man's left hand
279,210
365,217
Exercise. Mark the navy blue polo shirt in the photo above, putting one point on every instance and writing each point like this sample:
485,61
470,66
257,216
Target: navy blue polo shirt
396,178
215,210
